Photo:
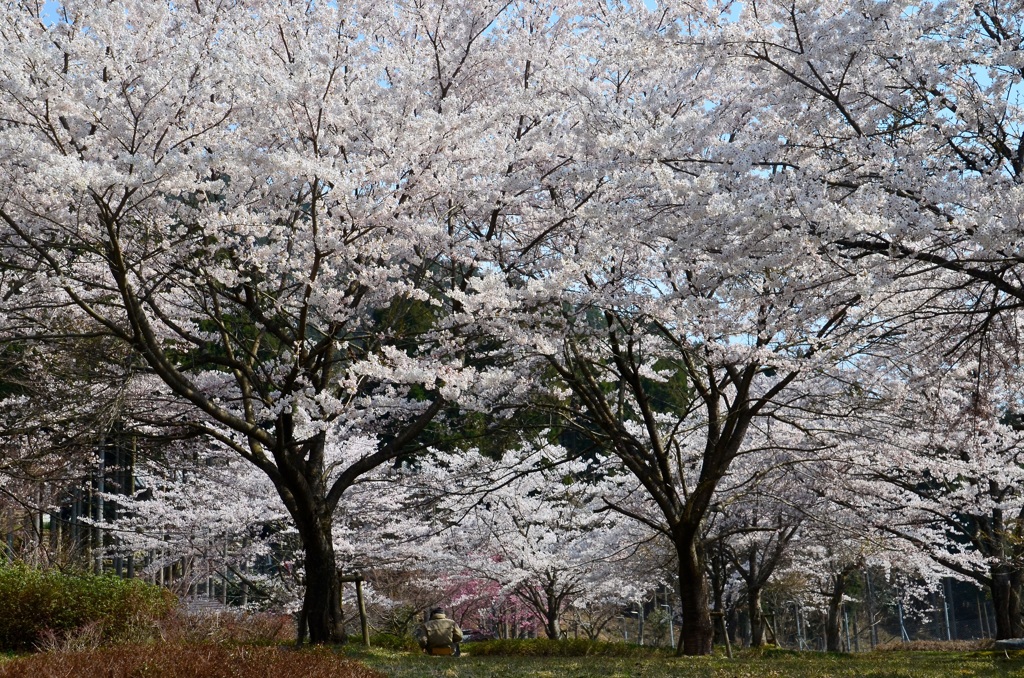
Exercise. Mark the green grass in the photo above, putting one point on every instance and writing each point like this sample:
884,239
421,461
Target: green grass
402,663
543,647
399,664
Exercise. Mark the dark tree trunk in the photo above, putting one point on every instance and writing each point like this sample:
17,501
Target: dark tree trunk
696,632
546,603
303,493
1006,599
756,615
833,635
552,625
321,605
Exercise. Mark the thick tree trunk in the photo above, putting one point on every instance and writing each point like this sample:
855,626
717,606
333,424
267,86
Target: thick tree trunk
321,605
1006,599
696,632
756,615
552,627
833,635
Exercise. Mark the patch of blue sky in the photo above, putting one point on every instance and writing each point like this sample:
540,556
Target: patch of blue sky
50,12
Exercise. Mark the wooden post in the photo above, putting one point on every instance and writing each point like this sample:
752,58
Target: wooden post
98,489
981,617
872,629
769,628
363,623
725,632
856,633
130,491
362,613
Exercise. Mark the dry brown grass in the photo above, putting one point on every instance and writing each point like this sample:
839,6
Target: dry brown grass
230,627
188,661
180,628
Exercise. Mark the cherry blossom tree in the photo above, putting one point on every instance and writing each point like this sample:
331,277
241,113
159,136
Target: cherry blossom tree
896,127
536,529
761,510
672,349
208,515
264,204
899,137
61,411
316,234
944,475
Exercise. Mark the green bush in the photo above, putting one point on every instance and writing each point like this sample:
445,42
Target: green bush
35,602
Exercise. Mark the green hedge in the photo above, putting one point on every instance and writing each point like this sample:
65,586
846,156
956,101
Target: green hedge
35,601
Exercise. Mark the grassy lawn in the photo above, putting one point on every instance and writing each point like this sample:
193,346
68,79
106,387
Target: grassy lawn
497,659
778,665
406,664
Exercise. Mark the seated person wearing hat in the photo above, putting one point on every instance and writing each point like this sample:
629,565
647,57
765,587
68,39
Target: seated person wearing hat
439,635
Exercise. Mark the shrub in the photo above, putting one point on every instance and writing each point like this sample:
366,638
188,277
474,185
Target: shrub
34,602
163,660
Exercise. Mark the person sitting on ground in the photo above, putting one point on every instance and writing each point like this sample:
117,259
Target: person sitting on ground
439,635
